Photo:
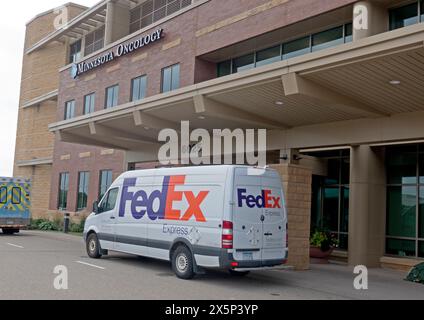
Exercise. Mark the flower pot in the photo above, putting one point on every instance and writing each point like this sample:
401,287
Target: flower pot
317,253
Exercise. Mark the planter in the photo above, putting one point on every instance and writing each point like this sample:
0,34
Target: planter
319,255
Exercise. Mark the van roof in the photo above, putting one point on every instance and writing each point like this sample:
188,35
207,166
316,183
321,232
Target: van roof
219,169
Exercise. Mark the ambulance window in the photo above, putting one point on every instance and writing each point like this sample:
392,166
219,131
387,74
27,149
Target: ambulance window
3,194
16,195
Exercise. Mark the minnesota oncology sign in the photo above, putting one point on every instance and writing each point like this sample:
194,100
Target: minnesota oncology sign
122,50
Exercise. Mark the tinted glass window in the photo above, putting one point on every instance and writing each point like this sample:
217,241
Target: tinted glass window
75,52
105,182
138,88
109,202
402,207
244,63
3,194
112,95
63,191
296,48
171,78
268,56
224,68
327,39
89,103
83,185
404,16
70,110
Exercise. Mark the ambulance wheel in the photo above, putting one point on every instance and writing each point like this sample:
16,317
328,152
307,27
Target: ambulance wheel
182,263
93,247
239,273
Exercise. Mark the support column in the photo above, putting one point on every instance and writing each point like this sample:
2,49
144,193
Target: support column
117,22
297,184
367,206
371,18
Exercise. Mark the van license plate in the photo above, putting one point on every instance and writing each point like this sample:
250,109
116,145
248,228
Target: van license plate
248,256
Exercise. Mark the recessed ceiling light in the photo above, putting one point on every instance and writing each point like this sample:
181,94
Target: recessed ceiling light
395,82
146,128
202,117
279,103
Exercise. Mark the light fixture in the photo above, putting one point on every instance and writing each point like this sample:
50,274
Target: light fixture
279,103
395,82
146,128
202,117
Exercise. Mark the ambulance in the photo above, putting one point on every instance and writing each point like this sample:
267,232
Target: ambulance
211,217
15,204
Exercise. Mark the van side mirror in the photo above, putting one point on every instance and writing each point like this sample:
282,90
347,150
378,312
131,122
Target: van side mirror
96,207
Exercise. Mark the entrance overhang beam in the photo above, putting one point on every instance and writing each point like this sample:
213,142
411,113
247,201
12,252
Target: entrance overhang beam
295,85
208,107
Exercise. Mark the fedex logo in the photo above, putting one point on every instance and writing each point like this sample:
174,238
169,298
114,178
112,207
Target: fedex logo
143,204
265,200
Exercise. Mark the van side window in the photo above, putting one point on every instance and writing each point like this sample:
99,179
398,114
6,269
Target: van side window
3,195
16,195
109,201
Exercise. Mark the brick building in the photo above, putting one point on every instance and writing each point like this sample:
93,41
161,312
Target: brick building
342,102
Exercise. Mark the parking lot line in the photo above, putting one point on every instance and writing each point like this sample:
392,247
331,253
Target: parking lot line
90,265
15,245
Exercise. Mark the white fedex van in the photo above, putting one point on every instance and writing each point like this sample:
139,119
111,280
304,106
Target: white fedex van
226,217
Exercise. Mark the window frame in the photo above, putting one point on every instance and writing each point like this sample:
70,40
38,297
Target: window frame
67,104
92,97
77,55
116,86
171,68
87,177
107,185
139,78
66,182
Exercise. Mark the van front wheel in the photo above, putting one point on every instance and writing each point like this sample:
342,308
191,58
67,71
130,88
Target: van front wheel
182,263
93,247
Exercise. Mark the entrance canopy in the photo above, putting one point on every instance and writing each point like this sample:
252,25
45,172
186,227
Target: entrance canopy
366,91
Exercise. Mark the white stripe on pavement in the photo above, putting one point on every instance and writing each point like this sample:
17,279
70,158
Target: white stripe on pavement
15,245
90,265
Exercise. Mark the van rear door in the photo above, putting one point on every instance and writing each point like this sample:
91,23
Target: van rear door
258,217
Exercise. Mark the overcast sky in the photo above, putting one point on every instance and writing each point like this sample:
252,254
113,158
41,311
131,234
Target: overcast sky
13,17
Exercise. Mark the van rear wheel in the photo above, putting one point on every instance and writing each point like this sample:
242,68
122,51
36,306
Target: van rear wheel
93,247
235,273
182,263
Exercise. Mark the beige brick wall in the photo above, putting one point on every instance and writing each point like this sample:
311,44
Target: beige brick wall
33,140
297,184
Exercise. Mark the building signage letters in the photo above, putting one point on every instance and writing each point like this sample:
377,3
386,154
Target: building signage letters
121,50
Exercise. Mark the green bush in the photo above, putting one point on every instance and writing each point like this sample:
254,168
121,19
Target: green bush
77,227
57,224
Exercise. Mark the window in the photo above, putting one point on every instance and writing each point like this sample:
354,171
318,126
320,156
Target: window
138,88
70,110
348,33
154,10
89,103
94,41
244,63
296,48
83,185
109,201
405,201
406,15
268,56
288,50
16,195
331,196
112,95
224,68
105,182
327,39
75,52
63,191
3,195
171,78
